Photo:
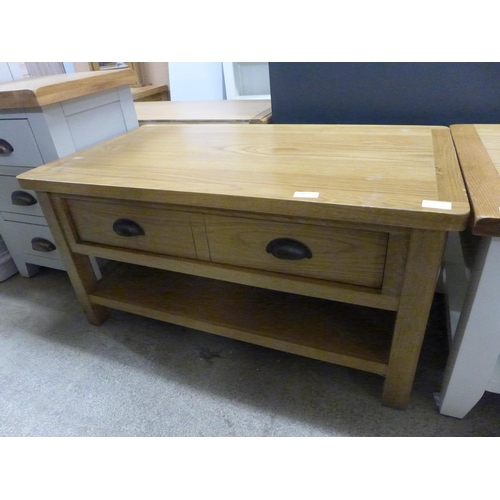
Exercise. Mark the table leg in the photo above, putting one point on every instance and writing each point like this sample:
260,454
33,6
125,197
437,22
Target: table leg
421,274
79,267
475,346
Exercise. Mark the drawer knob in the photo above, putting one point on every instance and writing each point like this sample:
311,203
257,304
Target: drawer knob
22,198
42,245
288,249
127,227
5,148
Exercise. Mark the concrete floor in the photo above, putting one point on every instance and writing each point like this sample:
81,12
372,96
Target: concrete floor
134,376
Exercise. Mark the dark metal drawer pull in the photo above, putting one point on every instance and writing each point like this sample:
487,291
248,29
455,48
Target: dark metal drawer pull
42,245
22,198
127,227
5,148
286,248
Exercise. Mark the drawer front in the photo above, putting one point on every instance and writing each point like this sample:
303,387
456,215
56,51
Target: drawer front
133,226
31,239
336,254
15,199
16,135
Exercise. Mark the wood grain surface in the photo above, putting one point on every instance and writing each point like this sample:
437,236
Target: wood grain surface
251,111
150,91
338,333
341,255
365,174
478,148
44,90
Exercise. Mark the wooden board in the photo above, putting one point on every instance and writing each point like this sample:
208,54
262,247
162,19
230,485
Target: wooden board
478,148
150,92
250,111
366,174
44,90
330,331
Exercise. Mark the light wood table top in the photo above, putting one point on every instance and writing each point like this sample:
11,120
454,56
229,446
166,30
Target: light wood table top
478,149
251,111
402,176
44,90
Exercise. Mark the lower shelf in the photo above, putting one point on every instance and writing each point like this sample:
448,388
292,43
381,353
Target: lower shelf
344,334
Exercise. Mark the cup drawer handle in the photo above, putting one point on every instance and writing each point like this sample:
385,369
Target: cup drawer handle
5,148
42,245
288,249
127,227
22,198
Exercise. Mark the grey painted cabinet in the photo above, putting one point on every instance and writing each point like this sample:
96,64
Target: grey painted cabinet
62,115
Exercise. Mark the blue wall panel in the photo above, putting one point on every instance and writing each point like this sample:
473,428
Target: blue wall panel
385,93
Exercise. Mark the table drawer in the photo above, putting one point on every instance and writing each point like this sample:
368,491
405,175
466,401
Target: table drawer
32,239
337,254
18,147
133,226
13,198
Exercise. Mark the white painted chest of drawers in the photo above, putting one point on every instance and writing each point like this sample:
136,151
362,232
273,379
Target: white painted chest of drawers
41,120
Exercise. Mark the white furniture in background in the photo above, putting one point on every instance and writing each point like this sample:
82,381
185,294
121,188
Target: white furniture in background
7,266
43,119
17,70
10,71
247,80
473,365
214,81
472,277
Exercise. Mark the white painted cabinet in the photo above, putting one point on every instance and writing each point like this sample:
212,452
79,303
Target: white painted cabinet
473,365
472,276
87,108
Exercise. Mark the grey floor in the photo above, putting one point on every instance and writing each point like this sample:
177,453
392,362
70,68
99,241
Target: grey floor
133,376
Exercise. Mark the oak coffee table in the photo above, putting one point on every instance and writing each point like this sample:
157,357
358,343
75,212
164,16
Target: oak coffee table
320,240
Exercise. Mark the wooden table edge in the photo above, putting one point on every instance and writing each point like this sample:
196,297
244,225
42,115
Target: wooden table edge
77,85
481,179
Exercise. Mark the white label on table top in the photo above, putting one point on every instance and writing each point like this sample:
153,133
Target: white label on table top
305,194
445,205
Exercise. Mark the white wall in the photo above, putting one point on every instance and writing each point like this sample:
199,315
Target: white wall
196,81
82,66
154,73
